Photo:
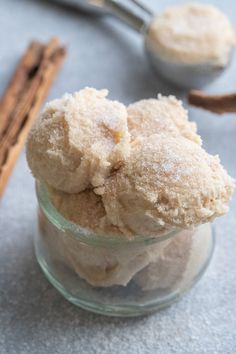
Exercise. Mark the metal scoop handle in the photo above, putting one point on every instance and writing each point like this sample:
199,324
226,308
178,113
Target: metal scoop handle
125,14
116,8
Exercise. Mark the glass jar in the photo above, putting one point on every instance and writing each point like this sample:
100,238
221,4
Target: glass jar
117,276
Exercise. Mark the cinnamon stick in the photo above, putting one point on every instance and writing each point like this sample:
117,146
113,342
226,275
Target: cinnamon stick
23,98
225,103
25,66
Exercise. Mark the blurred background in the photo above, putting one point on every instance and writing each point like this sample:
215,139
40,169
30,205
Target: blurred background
105,53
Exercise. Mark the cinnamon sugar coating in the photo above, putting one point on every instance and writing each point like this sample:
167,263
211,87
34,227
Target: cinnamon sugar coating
84,209
77,140
164,114
168,183
135,171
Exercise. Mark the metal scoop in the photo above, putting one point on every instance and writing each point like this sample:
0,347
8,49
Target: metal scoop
180,74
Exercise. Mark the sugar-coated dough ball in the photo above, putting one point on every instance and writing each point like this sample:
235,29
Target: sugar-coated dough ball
161,115
169,182
78,140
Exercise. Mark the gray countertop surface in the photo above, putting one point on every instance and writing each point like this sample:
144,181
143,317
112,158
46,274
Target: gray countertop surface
34,318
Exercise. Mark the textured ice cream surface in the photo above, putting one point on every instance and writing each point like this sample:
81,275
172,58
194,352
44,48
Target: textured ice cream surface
84,209
169,182
168,268
139,171
118,173
179,262
108,266
165,264
193,33
78,140
164,114
100,264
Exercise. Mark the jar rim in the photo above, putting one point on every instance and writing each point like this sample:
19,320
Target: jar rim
87,235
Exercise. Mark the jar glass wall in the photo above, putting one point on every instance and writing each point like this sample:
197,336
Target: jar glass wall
117,276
